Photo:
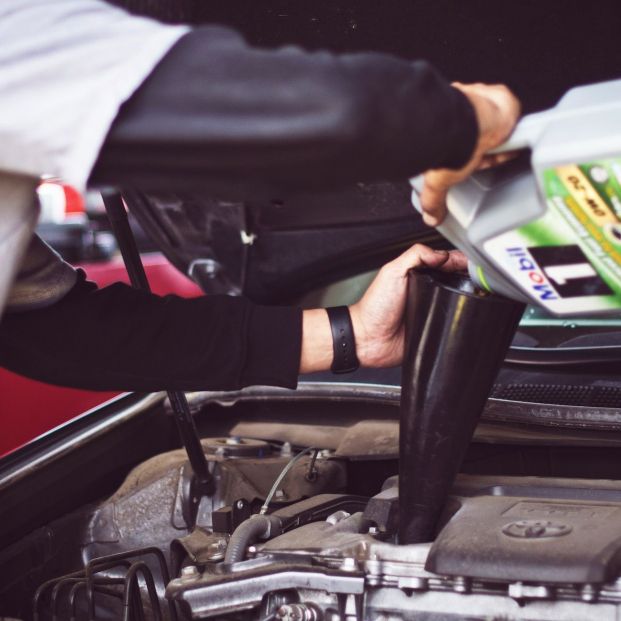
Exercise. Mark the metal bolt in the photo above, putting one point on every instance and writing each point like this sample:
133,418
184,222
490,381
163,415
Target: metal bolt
337,516
349,564
461,585
522,592
216,550
189,571
279,494
234,441
589,593
239,504
413,584
252,550
373,530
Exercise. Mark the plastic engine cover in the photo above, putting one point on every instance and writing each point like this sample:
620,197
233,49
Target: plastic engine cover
551,537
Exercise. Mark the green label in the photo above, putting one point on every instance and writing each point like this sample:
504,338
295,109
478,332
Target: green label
569,261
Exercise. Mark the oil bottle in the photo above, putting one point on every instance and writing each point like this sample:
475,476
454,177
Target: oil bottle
546,228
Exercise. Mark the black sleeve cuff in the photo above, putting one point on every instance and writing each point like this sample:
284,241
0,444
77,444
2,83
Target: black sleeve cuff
462,134
273,346
422,123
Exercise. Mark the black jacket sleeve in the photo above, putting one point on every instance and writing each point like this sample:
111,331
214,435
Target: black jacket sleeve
118,338
216,113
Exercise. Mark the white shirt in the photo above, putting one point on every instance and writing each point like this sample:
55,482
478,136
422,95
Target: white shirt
66,67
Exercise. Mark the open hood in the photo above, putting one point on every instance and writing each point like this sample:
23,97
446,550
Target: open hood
289,251
276,251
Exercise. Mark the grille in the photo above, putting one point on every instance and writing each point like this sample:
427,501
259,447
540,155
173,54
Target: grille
560,394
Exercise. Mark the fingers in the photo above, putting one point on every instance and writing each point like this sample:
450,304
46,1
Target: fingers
438,182
420,255
456,262
433,196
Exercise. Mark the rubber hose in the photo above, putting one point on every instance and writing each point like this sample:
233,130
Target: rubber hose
249,532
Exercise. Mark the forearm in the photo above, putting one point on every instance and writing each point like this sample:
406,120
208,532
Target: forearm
121,339
316,351
118,338
229,116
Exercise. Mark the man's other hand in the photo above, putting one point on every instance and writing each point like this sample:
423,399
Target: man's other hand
497,111
378,318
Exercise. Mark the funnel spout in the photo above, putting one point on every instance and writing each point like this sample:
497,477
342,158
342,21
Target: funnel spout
456,339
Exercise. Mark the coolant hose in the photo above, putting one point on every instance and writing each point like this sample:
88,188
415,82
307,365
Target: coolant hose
250,531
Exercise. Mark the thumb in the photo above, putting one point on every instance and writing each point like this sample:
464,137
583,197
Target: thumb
433,196
420,256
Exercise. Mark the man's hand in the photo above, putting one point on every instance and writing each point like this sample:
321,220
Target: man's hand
497,111
378,317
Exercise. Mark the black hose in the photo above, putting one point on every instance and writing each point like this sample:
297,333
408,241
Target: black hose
248,532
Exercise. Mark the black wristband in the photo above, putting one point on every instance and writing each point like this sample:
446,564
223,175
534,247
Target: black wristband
343,341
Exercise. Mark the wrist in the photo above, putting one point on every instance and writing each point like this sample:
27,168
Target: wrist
345,359
364,347
316,354
318,344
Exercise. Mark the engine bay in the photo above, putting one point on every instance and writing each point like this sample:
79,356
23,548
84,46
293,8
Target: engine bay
301,533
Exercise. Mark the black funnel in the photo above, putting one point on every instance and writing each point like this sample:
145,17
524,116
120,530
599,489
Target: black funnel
456,339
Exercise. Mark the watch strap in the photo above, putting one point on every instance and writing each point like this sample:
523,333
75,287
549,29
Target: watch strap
343,340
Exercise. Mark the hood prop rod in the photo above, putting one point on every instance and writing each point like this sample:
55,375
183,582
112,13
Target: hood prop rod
204,481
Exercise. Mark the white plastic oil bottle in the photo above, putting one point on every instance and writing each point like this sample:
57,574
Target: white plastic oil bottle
547,231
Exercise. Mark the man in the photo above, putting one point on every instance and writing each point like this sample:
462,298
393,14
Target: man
91,94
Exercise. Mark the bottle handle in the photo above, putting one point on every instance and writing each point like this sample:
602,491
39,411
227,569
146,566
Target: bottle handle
526,133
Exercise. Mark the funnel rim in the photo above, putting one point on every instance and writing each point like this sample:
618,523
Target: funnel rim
458,283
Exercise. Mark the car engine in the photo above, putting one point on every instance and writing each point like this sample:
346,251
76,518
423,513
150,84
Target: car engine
295,533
